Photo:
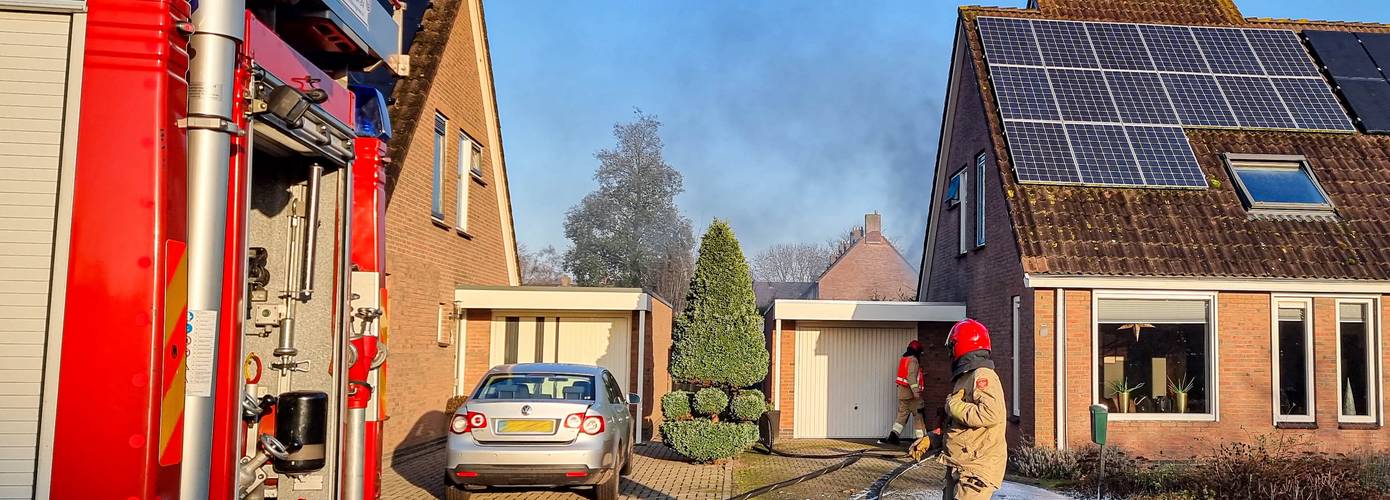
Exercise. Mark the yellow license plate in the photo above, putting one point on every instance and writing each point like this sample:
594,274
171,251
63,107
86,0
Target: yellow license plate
536,426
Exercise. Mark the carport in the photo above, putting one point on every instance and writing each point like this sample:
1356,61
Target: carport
833,361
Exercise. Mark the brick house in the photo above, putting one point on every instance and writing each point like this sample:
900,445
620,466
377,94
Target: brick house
449,216
1253,267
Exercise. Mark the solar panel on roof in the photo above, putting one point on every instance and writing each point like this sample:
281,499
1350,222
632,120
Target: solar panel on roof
1371,100
1040,152
1140,97
1198,100
1280,53
1103,154
1311,105
1255,102
1165,157
1378,46
1173,48
1009,41
1227,51
1118,46
1121,93
1024,93
1064,44
1341,52
1082,95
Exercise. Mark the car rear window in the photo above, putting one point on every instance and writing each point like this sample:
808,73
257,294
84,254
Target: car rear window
536,386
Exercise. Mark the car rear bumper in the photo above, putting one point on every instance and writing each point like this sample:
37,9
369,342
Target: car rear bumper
594,452
526,475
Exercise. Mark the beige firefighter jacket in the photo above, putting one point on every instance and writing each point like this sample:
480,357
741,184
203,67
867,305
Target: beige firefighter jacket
974,441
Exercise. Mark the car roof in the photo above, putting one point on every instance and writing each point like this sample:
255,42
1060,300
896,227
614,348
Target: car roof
561,368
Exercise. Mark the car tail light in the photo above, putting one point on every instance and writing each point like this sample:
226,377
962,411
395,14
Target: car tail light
588,424
466,473
463,424
577,473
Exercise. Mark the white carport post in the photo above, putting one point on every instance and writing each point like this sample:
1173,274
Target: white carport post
641,364
776,363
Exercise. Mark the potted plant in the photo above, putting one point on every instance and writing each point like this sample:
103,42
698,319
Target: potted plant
1180,390
1121,390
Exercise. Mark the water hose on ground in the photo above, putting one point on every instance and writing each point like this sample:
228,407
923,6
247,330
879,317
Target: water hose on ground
849,458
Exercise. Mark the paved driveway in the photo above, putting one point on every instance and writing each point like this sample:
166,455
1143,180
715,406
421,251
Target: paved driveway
657,473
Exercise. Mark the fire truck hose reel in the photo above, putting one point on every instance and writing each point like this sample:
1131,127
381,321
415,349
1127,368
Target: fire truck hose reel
301,423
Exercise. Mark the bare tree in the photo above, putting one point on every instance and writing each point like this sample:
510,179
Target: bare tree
785,262
838,245
540,267
629,227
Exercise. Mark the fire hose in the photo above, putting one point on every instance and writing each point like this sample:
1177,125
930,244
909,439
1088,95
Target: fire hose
848,458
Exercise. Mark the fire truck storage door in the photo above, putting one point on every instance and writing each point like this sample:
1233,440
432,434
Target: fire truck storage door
35,200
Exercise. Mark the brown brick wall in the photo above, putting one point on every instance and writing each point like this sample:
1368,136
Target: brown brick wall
656,362
426,260
788,378
985,278
871,270
1245,402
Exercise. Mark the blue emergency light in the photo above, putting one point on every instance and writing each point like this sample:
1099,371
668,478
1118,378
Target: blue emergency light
372,117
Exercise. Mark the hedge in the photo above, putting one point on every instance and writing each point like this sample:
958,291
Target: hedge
718,337
703,441
711,401
748,405
675,405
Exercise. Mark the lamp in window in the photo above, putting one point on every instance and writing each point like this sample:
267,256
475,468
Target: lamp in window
1137,327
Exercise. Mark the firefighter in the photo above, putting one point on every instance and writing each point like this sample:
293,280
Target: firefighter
971,440
909,381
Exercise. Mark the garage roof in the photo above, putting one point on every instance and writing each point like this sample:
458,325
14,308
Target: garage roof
555,298
867,310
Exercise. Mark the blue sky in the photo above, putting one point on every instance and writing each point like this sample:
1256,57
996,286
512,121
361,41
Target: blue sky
789,118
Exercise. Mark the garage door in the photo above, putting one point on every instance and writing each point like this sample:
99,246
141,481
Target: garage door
591,341
844,380
34,51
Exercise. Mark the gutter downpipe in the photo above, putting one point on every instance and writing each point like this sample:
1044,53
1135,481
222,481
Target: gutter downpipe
215,46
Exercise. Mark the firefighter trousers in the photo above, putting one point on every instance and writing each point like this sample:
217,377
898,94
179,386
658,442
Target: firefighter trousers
909,407
965,487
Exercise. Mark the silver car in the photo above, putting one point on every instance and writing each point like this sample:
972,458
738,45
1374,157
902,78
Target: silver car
542,425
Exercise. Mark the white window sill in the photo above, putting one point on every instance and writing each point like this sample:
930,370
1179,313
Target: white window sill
1162,417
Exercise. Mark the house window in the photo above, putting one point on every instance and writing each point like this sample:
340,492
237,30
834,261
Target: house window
953,190
1278,184
1014,401
964,195
1356,361
1154,356
1293,360
980,200
441,150
469,165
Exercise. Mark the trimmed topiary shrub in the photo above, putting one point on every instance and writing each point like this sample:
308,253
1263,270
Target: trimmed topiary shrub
718,346
704,441
718,338
675,405
711,401
748,405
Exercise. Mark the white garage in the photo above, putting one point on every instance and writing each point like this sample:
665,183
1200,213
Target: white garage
835,361
587,339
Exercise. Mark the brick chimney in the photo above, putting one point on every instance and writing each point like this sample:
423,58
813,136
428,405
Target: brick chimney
873,227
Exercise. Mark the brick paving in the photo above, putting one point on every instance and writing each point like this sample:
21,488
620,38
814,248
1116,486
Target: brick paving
657,473
755,469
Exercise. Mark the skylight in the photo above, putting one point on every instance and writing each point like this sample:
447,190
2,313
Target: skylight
1278,184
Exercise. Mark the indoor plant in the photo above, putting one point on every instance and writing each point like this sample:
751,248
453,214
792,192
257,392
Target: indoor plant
1180,390
1121,390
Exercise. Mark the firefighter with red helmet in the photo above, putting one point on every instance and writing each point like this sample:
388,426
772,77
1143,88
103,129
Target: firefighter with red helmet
971,440
909,381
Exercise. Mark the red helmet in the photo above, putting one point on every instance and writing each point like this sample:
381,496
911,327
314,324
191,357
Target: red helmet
915,345
967,335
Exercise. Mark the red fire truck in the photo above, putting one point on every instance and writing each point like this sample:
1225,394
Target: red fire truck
191,265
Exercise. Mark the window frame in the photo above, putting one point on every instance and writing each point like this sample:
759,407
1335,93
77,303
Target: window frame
1374,355
963,203
980,200
1213,353
441,156
1306,303
1234,162
464,177
949,201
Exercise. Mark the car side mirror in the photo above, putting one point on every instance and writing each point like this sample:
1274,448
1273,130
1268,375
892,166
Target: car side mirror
634,399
